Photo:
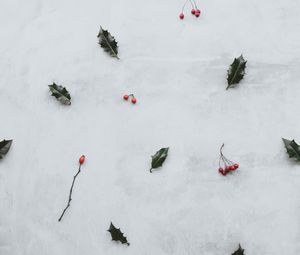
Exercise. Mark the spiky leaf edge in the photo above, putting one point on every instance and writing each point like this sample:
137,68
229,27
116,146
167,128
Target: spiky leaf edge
239,251
291,148
113,228
4,147
114,53
159,153
241,61
55,92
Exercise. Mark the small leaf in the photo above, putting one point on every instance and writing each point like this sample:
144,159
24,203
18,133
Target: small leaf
236,71
117,235
108,43
4,147
239,251
60,93
158,158
292,148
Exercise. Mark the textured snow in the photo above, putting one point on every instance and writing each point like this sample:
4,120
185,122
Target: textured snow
177,71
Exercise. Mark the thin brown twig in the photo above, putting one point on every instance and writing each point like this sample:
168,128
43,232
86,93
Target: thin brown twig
70,194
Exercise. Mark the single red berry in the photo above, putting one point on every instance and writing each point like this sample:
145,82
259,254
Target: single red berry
193,11
181,16
222,171
197,13
232,168
133,100
227,169
236,166
81,159
125,97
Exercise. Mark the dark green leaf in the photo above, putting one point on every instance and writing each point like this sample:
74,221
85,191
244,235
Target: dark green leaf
292,148
116,234
4,147
108,43
236,71
158,158
239,251
60,93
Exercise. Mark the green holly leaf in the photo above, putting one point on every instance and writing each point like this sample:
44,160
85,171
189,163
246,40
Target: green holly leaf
60,93
117,235
239,251
236,71
108,43
159,158
4,147
292,148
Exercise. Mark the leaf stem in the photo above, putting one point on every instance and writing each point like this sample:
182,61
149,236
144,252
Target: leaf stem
70,194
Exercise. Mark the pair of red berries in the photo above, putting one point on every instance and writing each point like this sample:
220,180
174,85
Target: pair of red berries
133,99
195,12
228,169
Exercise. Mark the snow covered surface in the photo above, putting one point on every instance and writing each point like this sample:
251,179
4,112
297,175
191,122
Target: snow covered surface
177,70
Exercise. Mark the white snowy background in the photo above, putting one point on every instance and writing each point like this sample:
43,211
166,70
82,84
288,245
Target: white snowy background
177,70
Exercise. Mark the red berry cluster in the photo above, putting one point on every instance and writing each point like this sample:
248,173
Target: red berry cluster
133,99
227,165
195,11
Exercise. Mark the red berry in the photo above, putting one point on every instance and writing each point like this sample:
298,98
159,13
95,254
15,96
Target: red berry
81,159
236,166
221,171
125,97
197,13
133,100
181,16
193,11
232,168
227,169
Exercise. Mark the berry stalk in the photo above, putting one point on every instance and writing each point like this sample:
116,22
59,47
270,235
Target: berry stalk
81,161
184,6
133,99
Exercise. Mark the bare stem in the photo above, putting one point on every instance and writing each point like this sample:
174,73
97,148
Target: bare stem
195,4
70,194
221,149
225,160
184,6
192,4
